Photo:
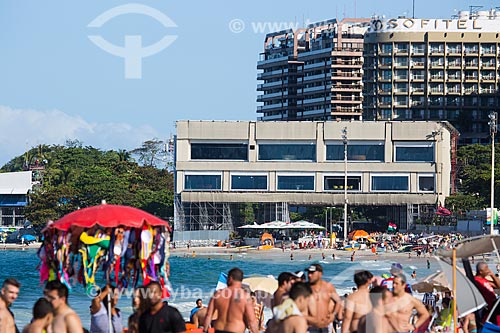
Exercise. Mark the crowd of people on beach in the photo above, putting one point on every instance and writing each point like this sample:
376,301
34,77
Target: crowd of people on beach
303,302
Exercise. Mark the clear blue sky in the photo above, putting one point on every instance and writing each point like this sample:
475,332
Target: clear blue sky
55,84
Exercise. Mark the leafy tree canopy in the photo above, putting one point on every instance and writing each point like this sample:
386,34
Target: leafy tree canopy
82,176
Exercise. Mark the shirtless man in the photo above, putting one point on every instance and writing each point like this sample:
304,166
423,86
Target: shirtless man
198,313
324,304
66,320
403,305
234,307
378,320
285,282
289,316
9,293
358,303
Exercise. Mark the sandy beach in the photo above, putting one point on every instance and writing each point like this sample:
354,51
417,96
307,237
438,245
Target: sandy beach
12,246
298,255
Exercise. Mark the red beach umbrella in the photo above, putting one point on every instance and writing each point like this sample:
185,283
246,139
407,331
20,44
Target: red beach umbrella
108,216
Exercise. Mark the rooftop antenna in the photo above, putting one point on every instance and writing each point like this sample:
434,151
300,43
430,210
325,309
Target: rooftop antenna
413,6
473,11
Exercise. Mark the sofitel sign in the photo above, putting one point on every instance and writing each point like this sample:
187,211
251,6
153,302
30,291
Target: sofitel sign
408,24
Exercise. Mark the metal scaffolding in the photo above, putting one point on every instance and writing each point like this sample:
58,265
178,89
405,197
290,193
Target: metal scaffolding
192,216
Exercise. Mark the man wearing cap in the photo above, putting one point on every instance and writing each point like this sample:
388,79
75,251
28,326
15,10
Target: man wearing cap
396,268
285,283
324,304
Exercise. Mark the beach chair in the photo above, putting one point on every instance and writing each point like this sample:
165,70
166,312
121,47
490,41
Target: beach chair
492,322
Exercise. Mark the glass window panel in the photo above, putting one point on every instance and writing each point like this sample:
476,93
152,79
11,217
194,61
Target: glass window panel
389,183
336,183
414,154
426,183
248,182
302,152
219,151
296,183
356,152
203,182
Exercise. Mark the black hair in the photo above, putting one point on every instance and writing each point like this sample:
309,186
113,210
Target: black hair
284,277
12,282
300,289
236,274
362,277
62,290
42,308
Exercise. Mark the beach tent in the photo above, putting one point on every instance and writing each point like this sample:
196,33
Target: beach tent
304,225
250,226
267,225
358,234
266,241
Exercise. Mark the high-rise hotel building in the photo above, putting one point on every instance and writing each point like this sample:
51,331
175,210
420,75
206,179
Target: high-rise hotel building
434,69
314,73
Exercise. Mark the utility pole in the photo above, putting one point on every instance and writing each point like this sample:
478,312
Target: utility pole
344,139
493,130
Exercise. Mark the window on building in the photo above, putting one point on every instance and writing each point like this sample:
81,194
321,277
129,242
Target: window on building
414,152
390,183
300,152
386,48
417,47
248,182
203,182
219,151
356,151
426,183
337,182
295,183
386,75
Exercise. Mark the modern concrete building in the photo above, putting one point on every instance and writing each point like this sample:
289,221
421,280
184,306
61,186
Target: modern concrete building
434,69
314,73
405,167
14,190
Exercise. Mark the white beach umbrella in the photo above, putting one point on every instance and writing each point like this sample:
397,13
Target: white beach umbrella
468,298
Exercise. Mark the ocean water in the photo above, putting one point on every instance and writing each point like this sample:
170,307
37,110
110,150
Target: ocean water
191,278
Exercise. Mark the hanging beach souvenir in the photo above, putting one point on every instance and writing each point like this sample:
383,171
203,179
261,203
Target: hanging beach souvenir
93,249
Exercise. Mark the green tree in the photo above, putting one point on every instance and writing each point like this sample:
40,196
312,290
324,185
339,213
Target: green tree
78,176
152,153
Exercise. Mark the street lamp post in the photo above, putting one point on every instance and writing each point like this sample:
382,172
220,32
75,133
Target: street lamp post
493,130
344,139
